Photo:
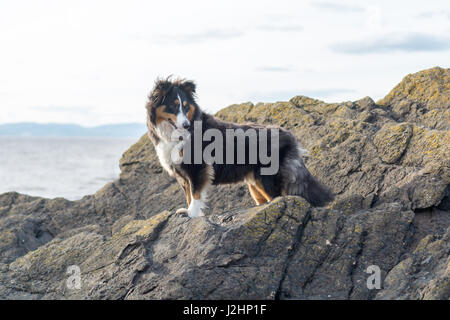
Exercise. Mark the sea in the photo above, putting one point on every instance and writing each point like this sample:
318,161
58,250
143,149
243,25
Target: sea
66,167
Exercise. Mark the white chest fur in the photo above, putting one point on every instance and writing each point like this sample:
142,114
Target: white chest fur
164,151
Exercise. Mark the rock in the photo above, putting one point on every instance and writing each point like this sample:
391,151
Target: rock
389,169
424,274
276,250
391,141
422,98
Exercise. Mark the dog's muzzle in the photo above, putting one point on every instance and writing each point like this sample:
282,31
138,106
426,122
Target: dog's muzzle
186,124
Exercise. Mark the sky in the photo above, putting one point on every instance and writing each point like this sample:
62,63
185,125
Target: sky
94,62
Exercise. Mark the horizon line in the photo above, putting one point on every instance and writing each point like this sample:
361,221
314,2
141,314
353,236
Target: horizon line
72,123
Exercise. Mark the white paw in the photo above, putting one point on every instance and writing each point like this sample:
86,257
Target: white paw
182,211
195,213
196,208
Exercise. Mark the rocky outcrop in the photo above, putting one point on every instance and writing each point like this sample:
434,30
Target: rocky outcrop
389,169
422,98
424,274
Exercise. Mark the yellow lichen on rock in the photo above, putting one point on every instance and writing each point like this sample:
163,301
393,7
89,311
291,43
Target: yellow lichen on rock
431,87
423,97
145,228
236,112
428,147
140,151
392,141
7,238
263,222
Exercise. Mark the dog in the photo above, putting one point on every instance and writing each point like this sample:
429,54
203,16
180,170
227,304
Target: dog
172,111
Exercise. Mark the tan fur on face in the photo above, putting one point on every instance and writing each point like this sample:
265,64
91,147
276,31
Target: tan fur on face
190,113
161,115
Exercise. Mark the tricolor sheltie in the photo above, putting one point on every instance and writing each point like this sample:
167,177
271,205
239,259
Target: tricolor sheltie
172,108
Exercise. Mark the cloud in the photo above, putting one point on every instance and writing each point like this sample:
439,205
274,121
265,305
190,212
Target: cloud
324,5
412,42
433,14
325,93
207,35
274,69
288,94
280,28
63,109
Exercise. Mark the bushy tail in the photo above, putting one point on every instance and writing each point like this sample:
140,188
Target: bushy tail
316,193
298,181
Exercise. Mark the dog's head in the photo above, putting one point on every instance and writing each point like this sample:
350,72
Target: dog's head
172,105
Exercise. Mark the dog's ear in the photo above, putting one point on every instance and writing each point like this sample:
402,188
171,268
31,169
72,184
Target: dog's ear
161,88
156,97
189,87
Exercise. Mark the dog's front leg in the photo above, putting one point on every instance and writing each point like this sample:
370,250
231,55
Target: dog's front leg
196,188
187,191
184,183
200,184
198,202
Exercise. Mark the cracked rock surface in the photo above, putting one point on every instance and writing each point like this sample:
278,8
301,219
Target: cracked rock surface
388,164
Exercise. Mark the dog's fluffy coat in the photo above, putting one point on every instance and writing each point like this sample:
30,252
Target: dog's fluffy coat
172,106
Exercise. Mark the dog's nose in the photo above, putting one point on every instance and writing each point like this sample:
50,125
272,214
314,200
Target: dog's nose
186,124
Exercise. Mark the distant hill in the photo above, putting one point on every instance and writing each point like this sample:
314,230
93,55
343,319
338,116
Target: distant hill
123,130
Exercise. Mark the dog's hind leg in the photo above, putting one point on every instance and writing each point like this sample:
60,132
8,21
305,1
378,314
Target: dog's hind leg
260,188
256,195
